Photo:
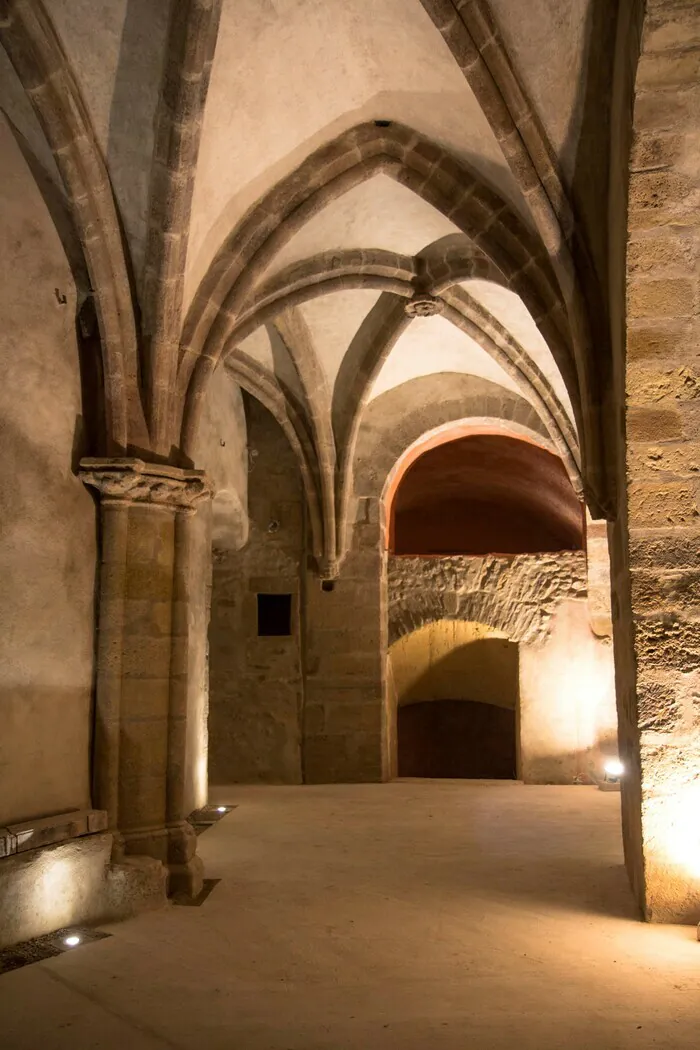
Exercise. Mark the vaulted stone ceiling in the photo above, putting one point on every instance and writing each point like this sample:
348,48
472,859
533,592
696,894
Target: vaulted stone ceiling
329,200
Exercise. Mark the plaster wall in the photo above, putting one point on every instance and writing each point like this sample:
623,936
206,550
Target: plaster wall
547,40
568,720
117,48
256,682
47,517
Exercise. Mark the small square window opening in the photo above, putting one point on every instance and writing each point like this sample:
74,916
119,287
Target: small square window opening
274,615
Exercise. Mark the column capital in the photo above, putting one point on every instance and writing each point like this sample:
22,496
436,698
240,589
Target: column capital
135,482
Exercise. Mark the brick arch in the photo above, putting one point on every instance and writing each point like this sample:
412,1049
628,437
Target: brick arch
470,31
432,270
330,172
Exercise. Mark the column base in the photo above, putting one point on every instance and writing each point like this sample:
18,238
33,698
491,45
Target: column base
175,847
187,879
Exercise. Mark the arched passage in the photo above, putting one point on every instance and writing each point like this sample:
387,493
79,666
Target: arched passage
456,689
485,493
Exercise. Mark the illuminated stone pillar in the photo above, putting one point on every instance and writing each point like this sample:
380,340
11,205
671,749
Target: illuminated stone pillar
141,760
345,712
598,571
657,535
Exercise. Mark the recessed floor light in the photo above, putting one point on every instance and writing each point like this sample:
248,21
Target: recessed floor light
47,947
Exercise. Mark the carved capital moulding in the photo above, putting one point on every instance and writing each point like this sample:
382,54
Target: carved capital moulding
135,482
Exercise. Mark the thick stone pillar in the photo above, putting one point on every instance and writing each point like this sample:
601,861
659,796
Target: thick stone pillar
346,723
141,760
657,536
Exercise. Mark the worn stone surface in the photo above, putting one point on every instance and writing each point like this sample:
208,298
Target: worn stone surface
74,883
517,594
657,615
256,682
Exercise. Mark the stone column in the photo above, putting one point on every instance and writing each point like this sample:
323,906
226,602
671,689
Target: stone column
657,535
346,722
598,567
141,710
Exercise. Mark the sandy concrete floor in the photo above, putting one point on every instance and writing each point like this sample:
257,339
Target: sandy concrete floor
407,916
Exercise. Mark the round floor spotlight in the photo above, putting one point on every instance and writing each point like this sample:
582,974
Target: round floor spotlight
613,770
72,941
221,809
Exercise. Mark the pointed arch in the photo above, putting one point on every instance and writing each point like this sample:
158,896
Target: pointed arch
192,35
330,172
294,333
34,49
281,404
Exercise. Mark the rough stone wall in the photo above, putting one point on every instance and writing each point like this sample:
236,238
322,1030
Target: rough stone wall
256,683
516,595
48,536
658,536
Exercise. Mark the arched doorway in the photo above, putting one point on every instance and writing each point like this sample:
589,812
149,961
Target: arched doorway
480,497
456,695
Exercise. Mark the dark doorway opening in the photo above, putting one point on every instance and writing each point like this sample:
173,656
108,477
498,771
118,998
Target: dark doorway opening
456,738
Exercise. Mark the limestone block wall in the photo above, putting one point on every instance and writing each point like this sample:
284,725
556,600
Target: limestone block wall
345,714
255,683
47,518
566,705
656,571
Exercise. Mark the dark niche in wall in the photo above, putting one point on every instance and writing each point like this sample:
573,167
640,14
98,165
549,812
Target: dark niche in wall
485,494
274,615
456,738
